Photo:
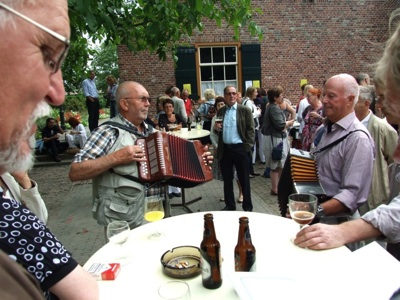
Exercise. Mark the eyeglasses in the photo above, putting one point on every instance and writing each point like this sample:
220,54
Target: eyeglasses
144,99
53,65
230,93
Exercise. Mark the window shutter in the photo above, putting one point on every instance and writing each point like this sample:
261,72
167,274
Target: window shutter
251,64
185,71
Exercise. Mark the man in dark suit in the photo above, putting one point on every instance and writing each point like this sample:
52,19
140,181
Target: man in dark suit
235,141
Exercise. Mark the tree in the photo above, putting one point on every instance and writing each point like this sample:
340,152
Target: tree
105,62
155,25
75,66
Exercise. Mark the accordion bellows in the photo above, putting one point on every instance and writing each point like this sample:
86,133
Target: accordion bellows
299,175
173,160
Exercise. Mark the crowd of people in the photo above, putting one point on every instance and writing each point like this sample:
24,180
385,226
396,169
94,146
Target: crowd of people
360,147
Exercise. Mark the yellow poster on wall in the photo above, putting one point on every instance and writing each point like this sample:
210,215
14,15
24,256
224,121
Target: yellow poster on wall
256,83
188,86
303,81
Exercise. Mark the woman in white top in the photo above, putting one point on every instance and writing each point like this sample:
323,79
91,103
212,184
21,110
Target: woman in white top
77,136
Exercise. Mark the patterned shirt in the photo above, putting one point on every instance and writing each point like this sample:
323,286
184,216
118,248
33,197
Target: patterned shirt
89,88
103,138
30,243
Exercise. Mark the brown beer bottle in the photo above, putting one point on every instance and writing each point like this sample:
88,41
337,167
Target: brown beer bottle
245,252
210,251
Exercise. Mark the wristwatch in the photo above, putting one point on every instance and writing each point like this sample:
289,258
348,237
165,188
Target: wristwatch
320,211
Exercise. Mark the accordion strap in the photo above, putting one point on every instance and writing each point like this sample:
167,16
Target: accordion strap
135,179
126,128
130,177
336,142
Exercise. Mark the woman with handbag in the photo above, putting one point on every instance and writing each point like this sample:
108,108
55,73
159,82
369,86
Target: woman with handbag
276,144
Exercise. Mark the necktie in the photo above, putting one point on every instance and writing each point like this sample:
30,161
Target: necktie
329,127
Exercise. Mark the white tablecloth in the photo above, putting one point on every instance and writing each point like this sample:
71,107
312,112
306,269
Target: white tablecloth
193,134
279,262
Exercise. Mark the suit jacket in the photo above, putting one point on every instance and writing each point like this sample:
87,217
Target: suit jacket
179,107
245,126
385,138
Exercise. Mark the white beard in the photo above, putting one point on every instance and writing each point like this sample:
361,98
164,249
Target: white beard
13,159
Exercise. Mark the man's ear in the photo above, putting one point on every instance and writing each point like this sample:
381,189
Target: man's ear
351,100
123,104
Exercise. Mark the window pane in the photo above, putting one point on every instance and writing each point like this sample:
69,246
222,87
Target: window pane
230,72
232,83
218,73
218,55
230,54
205,55
206,74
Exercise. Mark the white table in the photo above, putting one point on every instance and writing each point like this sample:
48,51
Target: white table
277,257
194,134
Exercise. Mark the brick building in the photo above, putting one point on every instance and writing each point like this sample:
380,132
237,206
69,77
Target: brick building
303,39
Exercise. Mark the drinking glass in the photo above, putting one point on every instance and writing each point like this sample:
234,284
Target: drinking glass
219,119
189,122
198,122
174,290
154,211
117,234
302,208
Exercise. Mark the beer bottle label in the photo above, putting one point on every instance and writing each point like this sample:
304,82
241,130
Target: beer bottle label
205,268
247,236
251,261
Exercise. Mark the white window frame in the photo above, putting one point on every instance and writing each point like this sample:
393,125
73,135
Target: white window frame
218,85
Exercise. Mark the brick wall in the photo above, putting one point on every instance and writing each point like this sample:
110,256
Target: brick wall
302,40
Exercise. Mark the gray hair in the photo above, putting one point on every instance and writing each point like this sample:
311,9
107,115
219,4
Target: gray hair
388,67
360,77
175,91
365,94
6,16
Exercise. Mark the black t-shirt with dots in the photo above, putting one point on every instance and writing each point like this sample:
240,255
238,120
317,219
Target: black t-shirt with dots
29,242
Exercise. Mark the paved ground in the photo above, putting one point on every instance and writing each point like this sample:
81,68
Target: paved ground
69,205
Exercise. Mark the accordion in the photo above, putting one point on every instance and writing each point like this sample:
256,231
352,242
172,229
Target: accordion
299,175
173,160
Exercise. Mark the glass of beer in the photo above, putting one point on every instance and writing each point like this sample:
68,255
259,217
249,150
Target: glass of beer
218,120
154,211
302,208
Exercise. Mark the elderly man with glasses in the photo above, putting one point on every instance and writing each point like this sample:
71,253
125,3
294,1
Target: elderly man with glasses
34,43
111,153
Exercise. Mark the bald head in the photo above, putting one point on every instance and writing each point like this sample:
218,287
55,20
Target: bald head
126,89
347,84
340,96
133,101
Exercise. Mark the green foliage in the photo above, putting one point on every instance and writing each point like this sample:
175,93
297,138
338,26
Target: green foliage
155,25
75,66
105,62
76,102
102,102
